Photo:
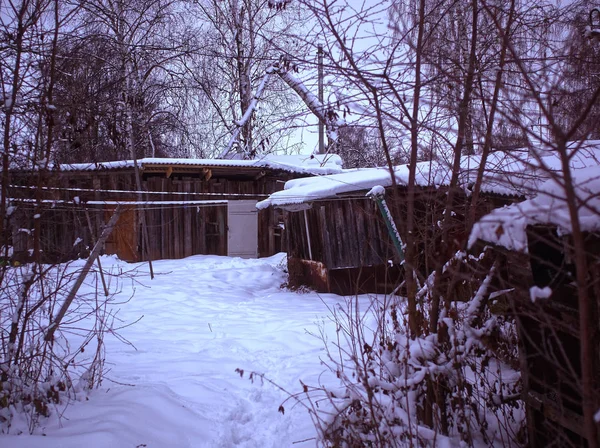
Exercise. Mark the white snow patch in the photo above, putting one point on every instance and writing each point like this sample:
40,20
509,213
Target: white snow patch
535,293
377,190
507,226
176,386
517,173
298,191
310,164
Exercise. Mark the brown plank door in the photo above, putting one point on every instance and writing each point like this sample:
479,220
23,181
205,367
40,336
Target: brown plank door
123,239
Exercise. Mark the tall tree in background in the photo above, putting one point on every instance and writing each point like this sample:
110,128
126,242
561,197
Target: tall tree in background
581,74
169,77
120,69
243,38
358,146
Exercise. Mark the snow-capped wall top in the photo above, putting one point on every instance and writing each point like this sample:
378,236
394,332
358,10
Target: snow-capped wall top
309,164
518,173
521,172
299,191
507,226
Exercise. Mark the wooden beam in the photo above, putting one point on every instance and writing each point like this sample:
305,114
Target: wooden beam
169,171
84,272
207,173
308,236
93,238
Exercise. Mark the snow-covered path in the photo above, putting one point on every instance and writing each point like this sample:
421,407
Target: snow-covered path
203,317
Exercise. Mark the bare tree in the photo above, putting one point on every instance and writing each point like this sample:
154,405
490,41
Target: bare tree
501,67
358,146
132,51
37,373
242,40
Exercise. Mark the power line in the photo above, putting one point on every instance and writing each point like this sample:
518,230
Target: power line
175,193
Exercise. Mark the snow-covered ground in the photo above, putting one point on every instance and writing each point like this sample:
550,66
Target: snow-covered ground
202,318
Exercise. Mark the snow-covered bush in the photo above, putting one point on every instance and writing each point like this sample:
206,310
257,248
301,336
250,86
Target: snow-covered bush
37,373
438,389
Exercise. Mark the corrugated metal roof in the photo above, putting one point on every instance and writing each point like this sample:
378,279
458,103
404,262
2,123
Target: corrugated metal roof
309,164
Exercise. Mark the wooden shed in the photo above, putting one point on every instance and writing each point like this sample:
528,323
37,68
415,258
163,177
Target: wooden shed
535,253
190,206
337,238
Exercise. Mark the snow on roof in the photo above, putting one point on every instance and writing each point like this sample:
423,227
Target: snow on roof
507,226
300,191
518,173
522,171
509,174
309,164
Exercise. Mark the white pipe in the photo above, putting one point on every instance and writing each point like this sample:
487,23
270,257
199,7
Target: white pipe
307,236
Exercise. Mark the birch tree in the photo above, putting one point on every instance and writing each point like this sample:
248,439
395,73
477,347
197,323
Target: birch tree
243,39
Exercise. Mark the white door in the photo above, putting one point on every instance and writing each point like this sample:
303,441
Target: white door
242,229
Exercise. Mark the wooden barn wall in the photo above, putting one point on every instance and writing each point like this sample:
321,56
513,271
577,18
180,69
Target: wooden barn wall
348,237
352,233
548,330
347,233
343,233
174,231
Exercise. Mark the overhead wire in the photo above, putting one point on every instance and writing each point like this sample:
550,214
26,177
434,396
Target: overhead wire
109,191
162,205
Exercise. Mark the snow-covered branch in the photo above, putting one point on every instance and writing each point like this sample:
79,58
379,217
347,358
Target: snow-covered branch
251,107
327,115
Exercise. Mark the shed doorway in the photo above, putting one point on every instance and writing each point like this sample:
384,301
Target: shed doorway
242,229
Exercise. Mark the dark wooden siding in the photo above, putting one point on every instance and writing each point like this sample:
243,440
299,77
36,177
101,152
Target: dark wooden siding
343,233
174,231
349,233
549,329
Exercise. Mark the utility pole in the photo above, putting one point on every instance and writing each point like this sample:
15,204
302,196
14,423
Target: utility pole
320,80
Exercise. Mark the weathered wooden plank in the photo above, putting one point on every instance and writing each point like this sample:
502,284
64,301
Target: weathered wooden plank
188,249
177,224
358,212
156,233
197,223
312,234
303,237
96,217
324,235
203,226
341,235
222,213
332,231
372,234
352,249
292,235
163,226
